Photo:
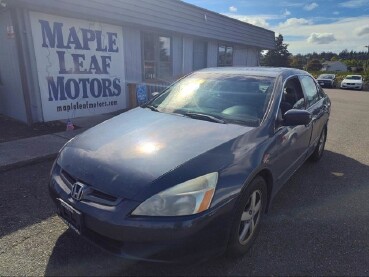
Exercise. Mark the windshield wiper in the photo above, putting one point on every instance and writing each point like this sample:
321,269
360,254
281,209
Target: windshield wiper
204,117
250,123
151,107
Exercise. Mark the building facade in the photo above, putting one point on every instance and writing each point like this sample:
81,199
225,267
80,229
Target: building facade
62,59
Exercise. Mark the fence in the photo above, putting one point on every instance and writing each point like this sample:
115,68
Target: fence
151,88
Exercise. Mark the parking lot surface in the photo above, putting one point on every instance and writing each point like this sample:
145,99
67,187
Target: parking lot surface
318,224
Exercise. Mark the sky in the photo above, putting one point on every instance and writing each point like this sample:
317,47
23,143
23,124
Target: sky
316,26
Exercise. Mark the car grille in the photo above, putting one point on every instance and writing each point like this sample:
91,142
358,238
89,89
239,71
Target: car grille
68,180
91,194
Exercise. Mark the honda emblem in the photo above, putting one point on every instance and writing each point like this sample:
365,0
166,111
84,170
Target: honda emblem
77,191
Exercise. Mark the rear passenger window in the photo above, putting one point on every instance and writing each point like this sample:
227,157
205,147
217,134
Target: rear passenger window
310,89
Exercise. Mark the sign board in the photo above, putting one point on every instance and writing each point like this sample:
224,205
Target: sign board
80,66
141,94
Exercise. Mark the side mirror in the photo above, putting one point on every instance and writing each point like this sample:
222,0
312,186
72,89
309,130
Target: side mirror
154,94
296,117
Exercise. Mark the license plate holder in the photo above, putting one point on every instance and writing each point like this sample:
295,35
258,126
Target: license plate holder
322,84
72,217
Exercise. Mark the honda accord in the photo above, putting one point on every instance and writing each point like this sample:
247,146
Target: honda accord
191,173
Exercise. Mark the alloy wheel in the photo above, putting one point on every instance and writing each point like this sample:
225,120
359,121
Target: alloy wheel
250,217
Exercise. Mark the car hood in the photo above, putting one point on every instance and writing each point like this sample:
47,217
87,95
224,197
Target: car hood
352,81
124,155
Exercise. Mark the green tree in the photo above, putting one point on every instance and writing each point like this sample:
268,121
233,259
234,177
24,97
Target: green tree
279,56
314,65
297,61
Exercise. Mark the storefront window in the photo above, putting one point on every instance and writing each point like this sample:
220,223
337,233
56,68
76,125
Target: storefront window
157,57
225,55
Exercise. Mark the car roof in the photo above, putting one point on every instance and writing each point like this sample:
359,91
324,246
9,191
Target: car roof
254,71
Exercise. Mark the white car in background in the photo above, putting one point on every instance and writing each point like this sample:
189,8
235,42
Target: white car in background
353,82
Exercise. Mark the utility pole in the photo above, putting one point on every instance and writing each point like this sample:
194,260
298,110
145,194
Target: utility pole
366,64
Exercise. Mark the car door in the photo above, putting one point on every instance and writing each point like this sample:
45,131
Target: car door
316,106
290,143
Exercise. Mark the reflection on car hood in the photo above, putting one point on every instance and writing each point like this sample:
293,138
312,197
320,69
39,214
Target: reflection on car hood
125,154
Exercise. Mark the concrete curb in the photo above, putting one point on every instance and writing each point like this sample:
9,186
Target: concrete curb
24,163
24,152
28,151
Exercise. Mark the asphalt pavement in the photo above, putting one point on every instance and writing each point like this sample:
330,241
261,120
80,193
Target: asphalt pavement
318,224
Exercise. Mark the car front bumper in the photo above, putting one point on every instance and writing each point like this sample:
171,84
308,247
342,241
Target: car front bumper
352,86
174,239
328,84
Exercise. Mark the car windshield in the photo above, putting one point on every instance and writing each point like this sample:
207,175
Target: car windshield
353,77
219,97
325,76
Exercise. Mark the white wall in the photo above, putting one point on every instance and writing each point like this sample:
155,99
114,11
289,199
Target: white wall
212,54
11,93
240,56
187,55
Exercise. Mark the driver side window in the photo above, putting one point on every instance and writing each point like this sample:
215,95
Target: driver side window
292,98
311,90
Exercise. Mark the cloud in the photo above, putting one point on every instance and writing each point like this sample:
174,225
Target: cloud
286,12
295,22
233,9
336,12
354,3
311,6
342,28
321,38
296,31
289,4
257,20
360,31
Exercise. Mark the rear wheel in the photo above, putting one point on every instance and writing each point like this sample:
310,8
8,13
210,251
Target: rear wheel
319,149
250,210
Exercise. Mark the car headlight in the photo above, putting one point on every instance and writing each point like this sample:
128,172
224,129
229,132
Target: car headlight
188,198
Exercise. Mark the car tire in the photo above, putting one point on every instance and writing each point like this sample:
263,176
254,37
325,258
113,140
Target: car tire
319,149
246,222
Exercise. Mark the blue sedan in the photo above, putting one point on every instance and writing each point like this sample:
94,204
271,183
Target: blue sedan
190,174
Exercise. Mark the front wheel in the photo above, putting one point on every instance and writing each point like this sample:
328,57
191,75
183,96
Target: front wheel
249,212
319,149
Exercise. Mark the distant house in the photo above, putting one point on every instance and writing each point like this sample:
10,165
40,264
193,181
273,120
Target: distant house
335,66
